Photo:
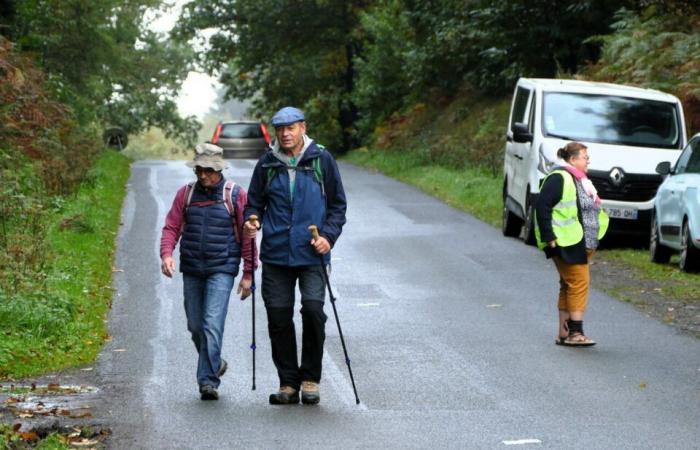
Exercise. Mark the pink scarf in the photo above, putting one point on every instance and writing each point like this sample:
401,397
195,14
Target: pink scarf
583,179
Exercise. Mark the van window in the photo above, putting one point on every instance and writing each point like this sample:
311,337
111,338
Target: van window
611,120
241,131
520,106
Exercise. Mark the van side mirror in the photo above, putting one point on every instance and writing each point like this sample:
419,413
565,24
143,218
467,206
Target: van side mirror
663,168
521,133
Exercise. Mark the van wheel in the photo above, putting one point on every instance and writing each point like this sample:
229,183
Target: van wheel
690,255
528,231
510,223
658,252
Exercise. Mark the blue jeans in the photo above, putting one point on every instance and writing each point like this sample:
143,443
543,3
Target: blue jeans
206,305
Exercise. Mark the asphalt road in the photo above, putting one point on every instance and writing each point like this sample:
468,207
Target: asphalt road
449,325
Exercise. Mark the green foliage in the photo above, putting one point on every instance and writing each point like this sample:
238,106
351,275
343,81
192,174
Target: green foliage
655,51
382,84
103,63
678,284
54,317
287,52
465,132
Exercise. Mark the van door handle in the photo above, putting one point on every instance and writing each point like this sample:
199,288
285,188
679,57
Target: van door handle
519,157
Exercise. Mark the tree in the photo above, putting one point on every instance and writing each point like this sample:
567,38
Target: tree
103,63
285,52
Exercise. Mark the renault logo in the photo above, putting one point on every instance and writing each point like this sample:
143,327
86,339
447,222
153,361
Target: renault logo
616,176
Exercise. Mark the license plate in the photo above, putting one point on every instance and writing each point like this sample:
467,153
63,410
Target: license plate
622,213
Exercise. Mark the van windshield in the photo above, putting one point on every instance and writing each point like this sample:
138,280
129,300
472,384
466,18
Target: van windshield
611,120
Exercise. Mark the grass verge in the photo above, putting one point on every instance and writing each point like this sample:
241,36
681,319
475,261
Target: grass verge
60,321
469,189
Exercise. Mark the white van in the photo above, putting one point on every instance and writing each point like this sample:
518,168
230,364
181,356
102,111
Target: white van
627,130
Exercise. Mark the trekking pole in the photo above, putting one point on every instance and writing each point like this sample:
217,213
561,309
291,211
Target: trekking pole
314,232
254,221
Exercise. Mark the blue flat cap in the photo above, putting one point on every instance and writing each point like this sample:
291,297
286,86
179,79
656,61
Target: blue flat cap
287,116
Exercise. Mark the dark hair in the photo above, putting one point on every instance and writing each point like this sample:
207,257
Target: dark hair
570,150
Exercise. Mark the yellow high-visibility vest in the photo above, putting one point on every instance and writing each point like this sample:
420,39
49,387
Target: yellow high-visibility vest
565,224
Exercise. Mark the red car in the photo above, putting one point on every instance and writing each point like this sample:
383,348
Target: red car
241,139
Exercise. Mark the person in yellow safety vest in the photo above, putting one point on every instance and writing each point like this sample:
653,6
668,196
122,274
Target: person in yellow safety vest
569,223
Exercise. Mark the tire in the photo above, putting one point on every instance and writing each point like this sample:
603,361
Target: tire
510,223
528,231
690,255
658,252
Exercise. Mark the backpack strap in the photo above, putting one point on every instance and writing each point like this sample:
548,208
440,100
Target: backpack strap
189,189
273,169
231,191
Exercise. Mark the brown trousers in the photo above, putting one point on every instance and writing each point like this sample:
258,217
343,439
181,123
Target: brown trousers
574,281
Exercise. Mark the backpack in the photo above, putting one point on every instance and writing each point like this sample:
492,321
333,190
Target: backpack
230,200
272,170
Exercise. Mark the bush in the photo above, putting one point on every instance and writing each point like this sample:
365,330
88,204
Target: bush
654,51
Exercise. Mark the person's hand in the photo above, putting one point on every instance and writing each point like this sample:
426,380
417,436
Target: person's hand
321,245
244,288
250,228
552,244
167,266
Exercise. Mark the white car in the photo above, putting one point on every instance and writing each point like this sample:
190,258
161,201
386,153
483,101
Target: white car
675,224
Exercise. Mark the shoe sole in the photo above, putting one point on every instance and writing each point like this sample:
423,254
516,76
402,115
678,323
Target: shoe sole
210,396
275,400
314,400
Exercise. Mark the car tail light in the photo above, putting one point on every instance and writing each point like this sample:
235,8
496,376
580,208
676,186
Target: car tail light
265,133
217,132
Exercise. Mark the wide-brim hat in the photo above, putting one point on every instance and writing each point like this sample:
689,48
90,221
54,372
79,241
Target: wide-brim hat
208,155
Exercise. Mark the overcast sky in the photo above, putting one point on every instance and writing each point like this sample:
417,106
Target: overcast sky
198,92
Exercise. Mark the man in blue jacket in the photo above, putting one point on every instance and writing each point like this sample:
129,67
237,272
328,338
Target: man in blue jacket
294,185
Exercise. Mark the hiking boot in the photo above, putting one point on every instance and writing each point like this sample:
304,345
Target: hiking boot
208,392
287,395
310,394
222,368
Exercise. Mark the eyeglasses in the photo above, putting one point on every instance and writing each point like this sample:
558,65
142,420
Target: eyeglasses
204,170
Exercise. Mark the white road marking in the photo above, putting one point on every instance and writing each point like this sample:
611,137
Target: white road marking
522,442
367,305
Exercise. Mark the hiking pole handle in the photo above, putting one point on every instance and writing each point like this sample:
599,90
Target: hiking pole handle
314,232
253,219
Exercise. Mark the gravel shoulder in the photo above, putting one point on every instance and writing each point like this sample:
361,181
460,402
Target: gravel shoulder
627,284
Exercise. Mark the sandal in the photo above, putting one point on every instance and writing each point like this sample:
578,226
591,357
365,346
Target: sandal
577,340
561,339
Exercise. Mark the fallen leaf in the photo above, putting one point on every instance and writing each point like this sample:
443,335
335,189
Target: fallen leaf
642,385
53,387
86,369
114,269
25,415
29,436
